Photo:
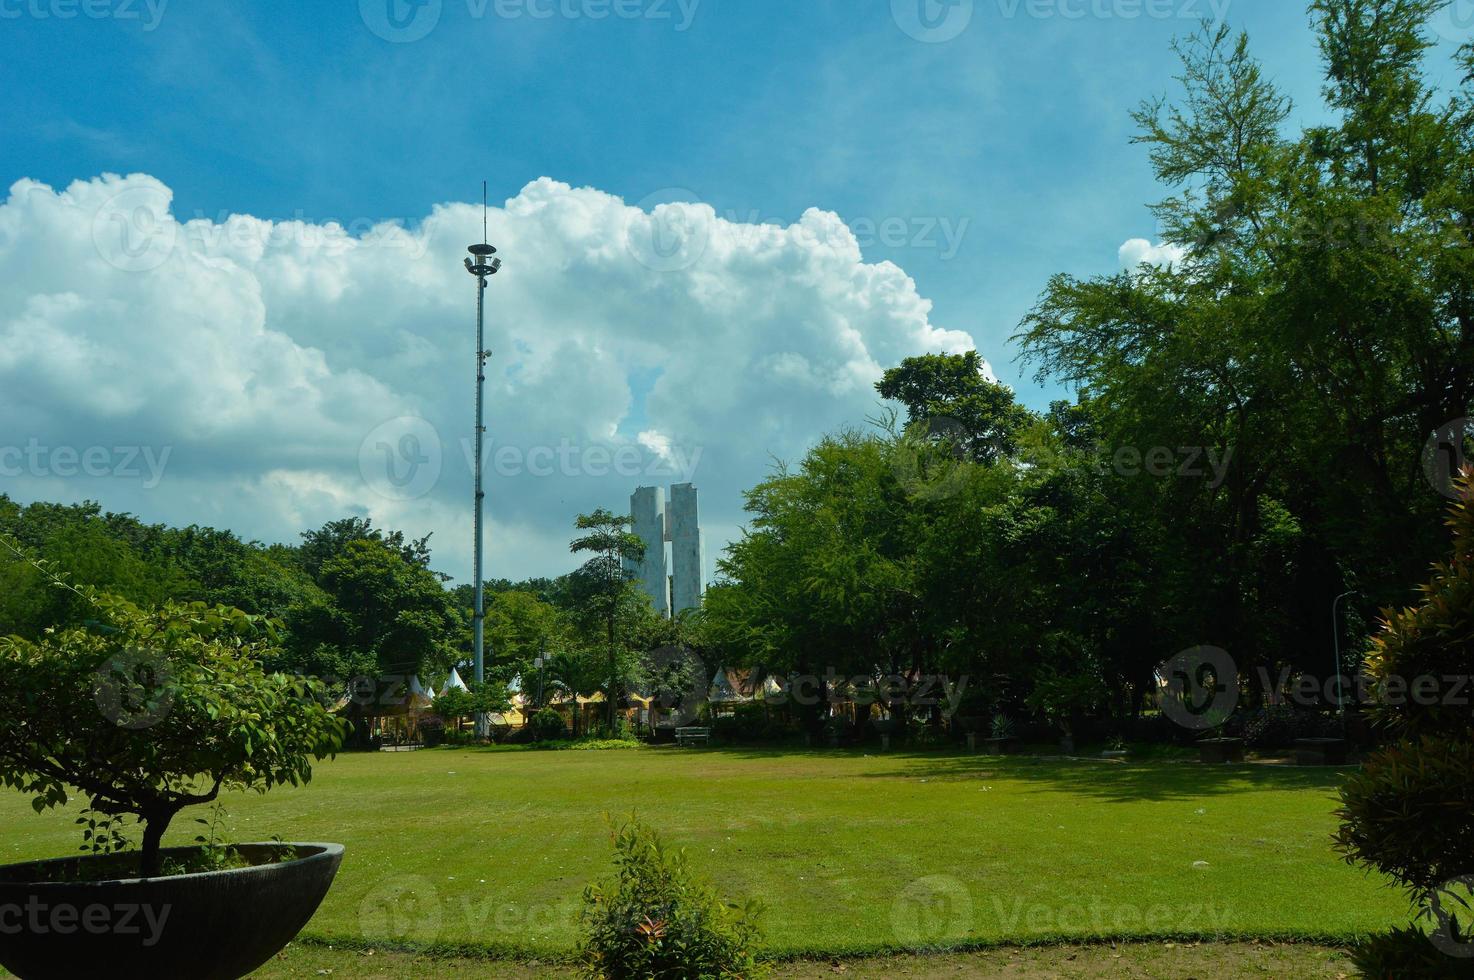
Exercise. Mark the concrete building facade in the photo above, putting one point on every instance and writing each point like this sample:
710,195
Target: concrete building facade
647,508
673,573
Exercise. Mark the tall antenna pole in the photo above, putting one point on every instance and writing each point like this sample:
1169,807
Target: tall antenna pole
482,267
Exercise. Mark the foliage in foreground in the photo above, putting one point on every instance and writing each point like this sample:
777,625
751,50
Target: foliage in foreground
656,921
1409,813
148,712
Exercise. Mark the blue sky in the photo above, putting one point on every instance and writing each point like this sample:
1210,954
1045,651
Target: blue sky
1018,126
980,157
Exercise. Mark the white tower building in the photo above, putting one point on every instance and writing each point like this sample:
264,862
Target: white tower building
687,549
647,508
674,578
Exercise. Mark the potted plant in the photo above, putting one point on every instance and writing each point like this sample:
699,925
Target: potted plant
1001,739
144,714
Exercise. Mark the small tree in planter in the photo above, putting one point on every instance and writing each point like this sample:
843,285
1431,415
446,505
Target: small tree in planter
1409,812
151,712
145,714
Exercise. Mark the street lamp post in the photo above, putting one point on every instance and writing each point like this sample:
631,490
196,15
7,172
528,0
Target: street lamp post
1336,639
541,663
483,267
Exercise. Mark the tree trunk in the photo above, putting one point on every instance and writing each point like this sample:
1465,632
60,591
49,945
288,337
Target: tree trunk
609,693
155,823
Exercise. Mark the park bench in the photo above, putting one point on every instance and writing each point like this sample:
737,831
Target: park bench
692,736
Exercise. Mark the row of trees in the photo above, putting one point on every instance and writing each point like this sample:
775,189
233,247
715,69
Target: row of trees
1249,434
354,601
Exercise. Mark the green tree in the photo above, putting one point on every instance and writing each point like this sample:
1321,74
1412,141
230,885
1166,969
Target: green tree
151,712
604,584
577,673
949,397
1315,330
520,627
382,607
825,576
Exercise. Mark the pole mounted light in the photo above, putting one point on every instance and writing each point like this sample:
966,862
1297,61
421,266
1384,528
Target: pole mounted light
482,264
1336,640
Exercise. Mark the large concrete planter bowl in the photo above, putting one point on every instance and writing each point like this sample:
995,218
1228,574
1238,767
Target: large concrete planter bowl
218,925
1320,751
1216,751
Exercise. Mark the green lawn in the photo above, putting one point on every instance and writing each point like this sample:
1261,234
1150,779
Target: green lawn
851,852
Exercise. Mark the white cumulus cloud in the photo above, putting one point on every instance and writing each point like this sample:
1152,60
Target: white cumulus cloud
296,372
1137,251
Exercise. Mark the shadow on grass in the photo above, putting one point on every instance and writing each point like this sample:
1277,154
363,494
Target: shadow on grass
1120,782
1110,781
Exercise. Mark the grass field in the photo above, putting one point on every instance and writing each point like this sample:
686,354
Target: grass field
852,853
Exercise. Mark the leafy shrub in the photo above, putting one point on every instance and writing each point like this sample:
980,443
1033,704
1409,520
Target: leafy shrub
1409,812
601,744
654,920
747,723
1279,725
1002,726
146,713
432,732
922,733
547,725
619,731
727,729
